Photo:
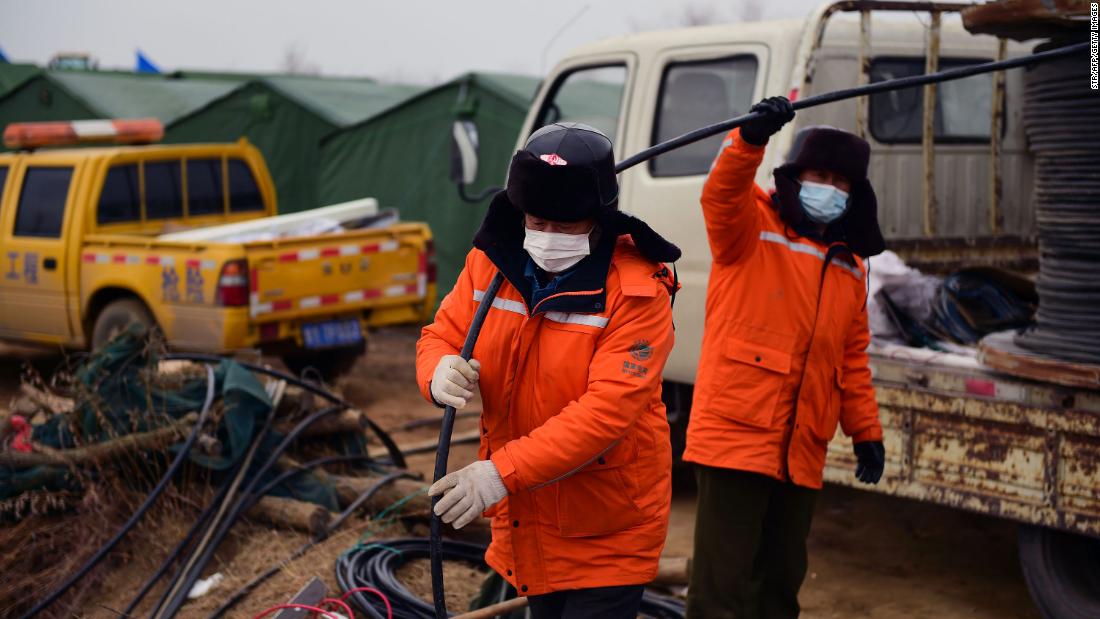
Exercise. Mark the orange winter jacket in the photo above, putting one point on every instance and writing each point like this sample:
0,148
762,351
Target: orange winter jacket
572,417
783,357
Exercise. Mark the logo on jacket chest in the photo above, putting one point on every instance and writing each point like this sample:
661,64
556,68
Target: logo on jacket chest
641,350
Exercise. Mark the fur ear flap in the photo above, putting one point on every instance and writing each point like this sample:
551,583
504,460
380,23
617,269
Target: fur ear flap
861,229
503,224
786,194
649,243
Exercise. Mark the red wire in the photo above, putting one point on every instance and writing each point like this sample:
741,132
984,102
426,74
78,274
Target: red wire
389,609
342,603
299,606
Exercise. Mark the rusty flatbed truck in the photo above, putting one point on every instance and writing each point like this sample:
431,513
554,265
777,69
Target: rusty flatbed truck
957,433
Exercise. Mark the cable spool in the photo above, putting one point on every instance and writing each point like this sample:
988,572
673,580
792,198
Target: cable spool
1062,121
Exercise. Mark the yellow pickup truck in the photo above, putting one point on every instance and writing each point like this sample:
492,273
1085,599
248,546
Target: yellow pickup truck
80,257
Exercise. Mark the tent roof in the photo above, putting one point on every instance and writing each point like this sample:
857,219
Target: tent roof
517,89
341,101
128,96
521,88
13,74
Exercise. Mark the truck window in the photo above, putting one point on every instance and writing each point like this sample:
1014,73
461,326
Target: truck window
592,95
42,202
163,198
694,94
244,193
3,180
204,187
962,106
121,198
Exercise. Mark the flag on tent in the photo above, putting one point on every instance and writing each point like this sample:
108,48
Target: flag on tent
144,65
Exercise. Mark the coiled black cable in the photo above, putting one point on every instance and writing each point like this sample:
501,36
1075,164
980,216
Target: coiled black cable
376,565
144,507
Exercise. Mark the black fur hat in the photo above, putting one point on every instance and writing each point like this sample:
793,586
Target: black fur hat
822,147
566,172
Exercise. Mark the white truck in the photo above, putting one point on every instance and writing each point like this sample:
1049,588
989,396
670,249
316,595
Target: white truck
957,432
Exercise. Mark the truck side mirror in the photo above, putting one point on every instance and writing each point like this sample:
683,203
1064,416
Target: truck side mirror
464,145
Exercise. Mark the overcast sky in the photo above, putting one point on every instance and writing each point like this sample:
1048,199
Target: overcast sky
397,40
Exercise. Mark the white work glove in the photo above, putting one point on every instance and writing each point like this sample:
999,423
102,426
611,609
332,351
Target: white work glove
454,379
469,491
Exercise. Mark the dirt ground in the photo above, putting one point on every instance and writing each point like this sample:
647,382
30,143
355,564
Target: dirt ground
870,555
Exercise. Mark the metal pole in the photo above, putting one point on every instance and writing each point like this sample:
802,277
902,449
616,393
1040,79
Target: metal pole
931,65
864,69
997,117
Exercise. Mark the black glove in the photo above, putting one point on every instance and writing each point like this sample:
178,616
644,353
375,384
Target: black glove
777,112
872,459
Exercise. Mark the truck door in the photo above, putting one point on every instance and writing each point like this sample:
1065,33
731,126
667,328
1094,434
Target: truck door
32,278
686,88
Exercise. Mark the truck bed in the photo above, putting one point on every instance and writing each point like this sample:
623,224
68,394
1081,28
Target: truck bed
352,270
376,276
964,436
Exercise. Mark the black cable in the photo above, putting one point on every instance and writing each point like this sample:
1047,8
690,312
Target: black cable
207,530
376,565
849,93
206,513
246,500
144,507
839,95
396,457
443,451
244,590
479,196
186,541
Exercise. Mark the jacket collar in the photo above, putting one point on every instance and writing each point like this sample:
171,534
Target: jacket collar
584,291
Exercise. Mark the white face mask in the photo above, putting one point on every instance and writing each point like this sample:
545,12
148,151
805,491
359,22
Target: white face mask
555,252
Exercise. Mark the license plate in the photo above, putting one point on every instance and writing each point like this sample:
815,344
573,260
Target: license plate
331,333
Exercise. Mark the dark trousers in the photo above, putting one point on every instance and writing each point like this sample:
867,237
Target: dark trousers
596,603
750,546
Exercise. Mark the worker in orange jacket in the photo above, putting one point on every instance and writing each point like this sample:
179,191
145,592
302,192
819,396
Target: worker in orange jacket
783,359
574,462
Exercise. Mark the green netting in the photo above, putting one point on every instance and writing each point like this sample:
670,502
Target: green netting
116,397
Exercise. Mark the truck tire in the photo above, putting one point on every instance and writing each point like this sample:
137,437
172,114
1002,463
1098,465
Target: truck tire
1062,571
330,363
118,315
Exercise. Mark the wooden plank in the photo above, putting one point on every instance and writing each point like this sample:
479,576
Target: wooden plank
1000,352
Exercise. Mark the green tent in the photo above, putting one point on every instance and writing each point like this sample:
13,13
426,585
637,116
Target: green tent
14,74
78,95
286,117
402,157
